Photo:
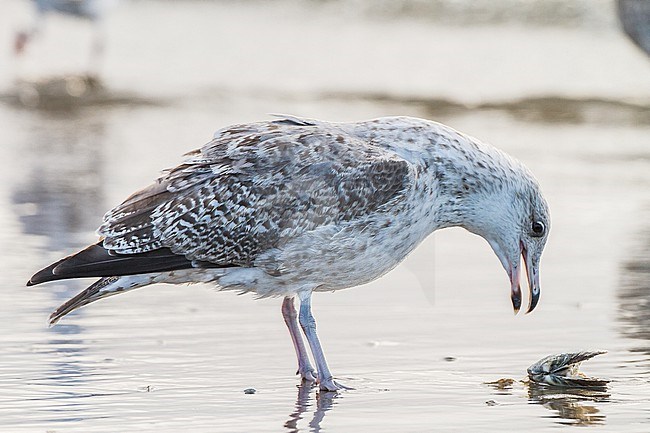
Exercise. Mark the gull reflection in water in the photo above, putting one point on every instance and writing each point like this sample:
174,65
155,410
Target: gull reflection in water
56,196
323,402
575,406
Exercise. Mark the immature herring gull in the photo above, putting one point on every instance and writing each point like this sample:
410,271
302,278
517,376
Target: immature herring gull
292,206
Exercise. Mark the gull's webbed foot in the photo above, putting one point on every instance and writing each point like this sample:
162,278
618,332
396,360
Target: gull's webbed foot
330,384
307,375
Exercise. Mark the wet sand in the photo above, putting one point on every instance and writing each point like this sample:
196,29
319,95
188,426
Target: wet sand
419,344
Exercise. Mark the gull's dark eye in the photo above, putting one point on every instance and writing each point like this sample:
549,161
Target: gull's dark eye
538,228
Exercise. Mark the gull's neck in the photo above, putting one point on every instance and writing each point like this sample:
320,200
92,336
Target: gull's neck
460,176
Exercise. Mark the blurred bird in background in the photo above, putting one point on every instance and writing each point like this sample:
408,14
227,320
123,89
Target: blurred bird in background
91,10
74,84
635,18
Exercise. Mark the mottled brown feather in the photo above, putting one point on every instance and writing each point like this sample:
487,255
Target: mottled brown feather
253,184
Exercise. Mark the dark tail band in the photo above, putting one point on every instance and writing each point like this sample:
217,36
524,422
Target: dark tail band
97,261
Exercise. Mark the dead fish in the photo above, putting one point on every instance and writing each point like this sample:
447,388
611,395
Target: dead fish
562,370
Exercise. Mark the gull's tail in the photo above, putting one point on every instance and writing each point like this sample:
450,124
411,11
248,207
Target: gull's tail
101,288
97,261
119,272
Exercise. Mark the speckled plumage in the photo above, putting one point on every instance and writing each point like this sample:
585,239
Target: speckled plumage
253,188
290,206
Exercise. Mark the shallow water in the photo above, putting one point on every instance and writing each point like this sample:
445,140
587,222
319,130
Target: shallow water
418,345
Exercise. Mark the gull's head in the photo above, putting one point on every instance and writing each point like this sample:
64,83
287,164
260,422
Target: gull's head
519,236
514,218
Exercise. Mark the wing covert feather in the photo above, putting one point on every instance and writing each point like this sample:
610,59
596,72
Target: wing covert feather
255,186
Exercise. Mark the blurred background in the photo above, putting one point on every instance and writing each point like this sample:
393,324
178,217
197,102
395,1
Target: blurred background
96,101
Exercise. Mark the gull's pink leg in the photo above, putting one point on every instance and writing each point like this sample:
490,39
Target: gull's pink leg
308,324
290,315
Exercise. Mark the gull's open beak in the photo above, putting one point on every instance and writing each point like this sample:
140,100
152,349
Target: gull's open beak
512,264
532,274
